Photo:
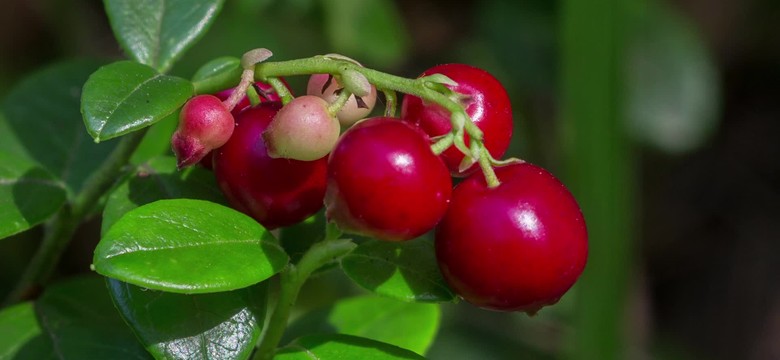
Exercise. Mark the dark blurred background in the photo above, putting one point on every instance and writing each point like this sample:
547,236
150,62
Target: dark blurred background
683,200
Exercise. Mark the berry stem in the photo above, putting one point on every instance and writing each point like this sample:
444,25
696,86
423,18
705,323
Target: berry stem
254,97
323,65
391,102
443,143
336,106
280,89
247,76
291,280
487,169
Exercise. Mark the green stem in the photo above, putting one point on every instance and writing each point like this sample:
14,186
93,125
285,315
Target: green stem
291,280
59,230
336,106
443,144
391,102
266,71
254,97
280,88
487,169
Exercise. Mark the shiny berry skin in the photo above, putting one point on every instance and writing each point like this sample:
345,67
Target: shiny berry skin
385,182
302,130
204,124
275,192
517,247
485,101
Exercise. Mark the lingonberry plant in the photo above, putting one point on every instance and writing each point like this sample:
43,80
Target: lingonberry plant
199,264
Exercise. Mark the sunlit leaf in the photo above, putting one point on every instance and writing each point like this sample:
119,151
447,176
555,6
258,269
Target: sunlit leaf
127,96
401,270
412,326
188,246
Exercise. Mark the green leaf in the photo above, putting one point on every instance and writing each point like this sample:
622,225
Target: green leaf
28,194
158,179
367,29
213,76
157,140
412,326
21,337
188,246
127,96
43,123
83,324
339,346
222,325
672,82
158,32
298,238
401,270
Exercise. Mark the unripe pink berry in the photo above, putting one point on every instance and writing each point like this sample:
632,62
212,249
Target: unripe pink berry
302,130
204,124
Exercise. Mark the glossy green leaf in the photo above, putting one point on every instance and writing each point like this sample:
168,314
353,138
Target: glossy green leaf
157,140
401,270
158,32
672,82
412,326
43,123
127,96
21,337
158,179
212,76
223,325
188,246
370,30
344,347
82,323
28,194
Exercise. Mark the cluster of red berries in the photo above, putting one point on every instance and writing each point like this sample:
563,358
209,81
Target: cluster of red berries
516,247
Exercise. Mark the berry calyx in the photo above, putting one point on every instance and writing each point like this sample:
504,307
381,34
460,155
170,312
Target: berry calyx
303,130
275,192
516,247
204,124
485,101
384,181
328,87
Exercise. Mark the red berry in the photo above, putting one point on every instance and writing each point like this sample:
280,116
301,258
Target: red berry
384,181
302,130
204,124
485,101
276,192
517,247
